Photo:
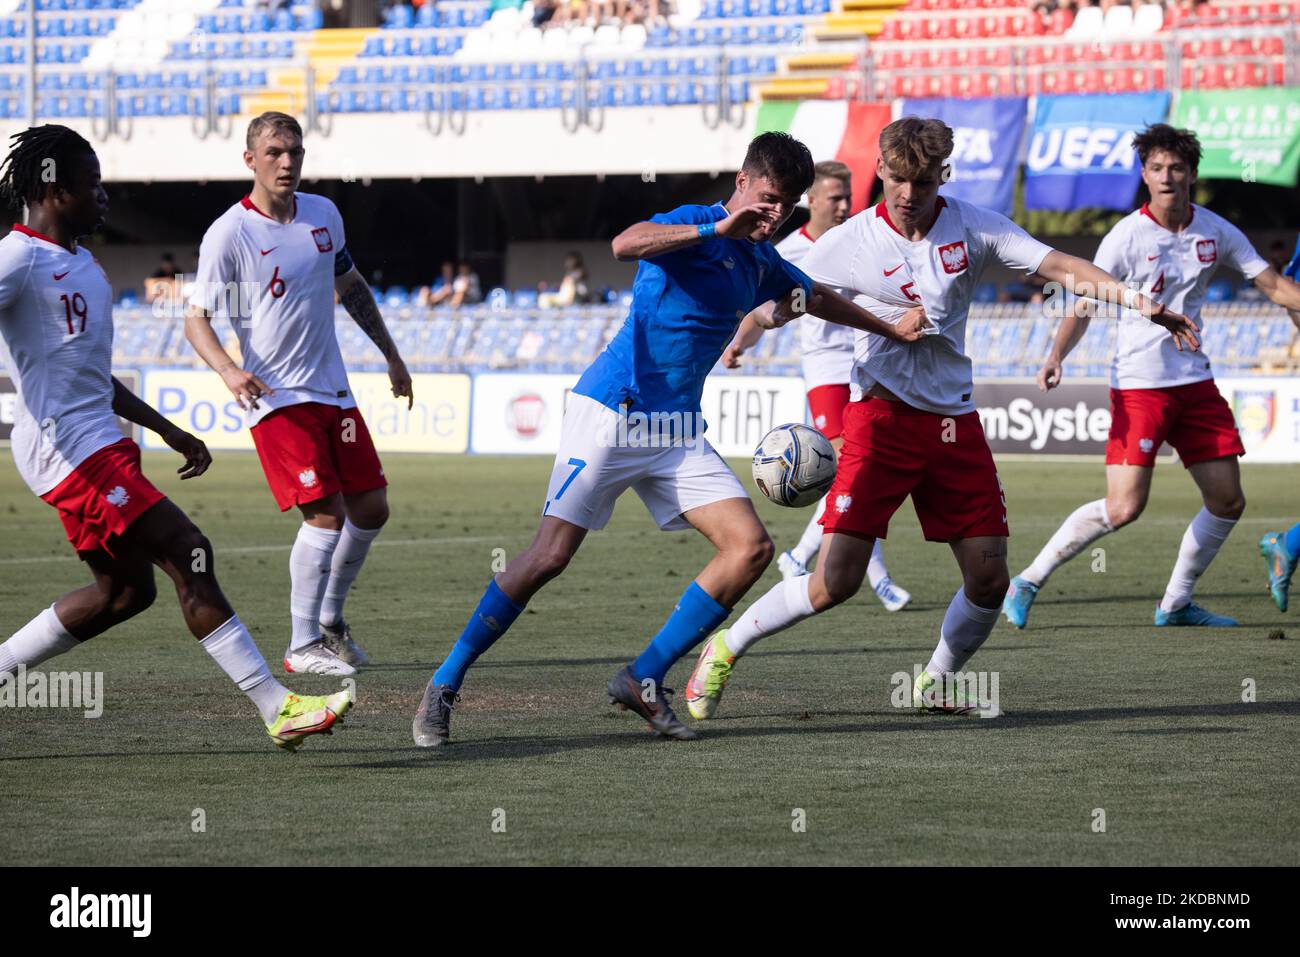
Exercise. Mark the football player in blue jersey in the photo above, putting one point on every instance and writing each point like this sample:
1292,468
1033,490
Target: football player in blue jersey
634,421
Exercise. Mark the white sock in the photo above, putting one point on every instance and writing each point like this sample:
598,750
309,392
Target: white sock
785,605
1200,544
810,542
876,570
231,647
353,544
309,571
39,640
965,627
1086,524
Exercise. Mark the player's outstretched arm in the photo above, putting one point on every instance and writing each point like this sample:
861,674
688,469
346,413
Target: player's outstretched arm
1073,327
131,407
747,335
1090,281
1279,289
245,386
648,240
825,303
354,292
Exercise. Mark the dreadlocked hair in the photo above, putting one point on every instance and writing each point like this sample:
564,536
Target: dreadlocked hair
37,160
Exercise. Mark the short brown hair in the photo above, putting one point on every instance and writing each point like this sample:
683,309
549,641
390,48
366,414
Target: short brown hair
281,122
912,146
832,169
1162,136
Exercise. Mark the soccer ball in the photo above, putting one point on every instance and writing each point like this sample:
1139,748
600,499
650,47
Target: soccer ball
794,465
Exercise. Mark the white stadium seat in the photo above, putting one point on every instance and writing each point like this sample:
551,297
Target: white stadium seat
1119,22
1088,23
1148,20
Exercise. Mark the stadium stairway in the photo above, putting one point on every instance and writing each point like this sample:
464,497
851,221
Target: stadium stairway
814,73
327,51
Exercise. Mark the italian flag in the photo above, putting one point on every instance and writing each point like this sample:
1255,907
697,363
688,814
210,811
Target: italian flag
833,130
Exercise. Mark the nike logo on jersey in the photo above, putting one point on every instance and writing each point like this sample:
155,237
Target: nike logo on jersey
271,250
60,275
1150,258
890,272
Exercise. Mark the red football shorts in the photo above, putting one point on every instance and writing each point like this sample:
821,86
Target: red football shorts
1194,418
892,450
311,451
827,402
103,496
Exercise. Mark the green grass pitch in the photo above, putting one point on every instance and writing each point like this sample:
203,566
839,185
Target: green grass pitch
1102,710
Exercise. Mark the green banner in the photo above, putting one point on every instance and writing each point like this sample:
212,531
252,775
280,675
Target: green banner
1250,135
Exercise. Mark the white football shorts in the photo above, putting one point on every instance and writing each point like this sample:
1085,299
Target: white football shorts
601,457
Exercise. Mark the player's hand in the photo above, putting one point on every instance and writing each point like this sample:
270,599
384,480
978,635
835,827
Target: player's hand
747,219
1049,376
245,386
731,356
914,325
1180,327
197,456
401,382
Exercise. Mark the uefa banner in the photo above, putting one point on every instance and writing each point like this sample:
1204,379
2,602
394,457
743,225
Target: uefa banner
521,414
986,135
9,404
1081,149
199,402
1247,135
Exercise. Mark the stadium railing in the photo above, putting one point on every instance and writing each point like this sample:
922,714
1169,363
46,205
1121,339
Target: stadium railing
1003,339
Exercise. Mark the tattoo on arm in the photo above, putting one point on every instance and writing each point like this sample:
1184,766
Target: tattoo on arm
360,305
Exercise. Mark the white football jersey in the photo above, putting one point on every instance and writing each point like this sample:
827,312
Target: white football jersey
827,347
1173,268
56,321
275,283
872,263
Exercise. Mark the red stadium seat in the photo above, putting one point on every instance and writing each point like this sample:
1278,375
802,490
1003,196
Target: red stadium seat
1094,80
996,56
1060,21
1210,76
939,28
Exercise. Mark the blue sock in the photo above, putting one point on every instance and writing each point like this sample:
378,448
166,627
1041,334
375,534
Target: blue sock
1292,541
494,614
694,618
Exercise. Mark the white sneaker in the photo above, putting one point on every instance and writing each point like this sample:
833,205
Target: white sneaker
790,567
338,639
316,659
891,596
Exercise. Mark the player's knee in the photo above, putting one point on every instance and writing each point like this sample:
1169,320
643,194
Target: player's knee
989,588
1124,511
134,598
834,588
548,562
1231,506
758,554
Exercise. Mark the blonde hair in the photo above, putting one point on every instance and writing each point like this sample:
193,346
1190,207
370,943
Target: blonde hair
280,122
914,147
832,169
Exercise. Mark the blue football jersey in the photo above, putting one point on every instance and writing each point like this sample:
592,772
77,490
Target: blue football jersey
686,306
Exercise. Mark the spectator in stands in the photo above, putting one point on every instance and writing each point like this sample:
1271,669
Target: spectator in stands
543,11
465,288
161,283
166,268
1278,256
440,291
574,287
